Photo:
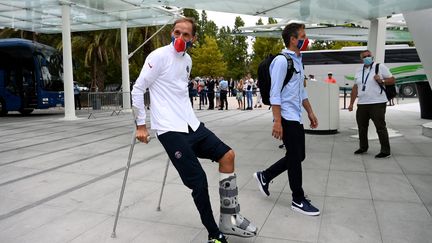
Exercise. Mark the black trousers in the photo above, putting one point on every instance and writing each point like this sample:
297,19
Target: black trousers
183,150
223,99
211,96
294,141
376,113
77,98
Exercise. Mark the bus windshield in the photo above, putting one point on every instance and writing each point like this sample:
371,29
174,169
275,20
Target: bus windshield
51,65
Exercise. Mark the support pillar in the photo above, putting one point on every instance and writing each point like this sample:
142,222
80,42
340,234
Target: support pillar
67,64
377,38
418,23
125,66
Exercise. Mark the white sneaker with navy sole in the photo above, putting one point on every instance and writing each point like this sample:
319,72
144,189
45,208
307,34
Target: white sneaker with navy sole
305,207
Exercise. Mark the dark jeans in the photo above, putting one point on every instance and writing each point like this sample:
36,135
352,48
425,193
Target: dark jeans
376,113
183,150
211,96
294,141
223,99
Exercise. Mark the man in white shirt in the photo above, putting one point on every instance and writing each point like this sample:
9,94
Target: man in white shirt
372,102
166,72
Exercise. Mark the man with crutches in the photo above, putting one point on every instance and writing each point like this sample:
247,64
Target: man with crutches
165,73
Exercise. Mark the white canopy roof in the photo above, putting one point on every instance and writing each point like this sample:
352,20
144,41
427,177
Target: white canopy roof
311,11
44,16
331,33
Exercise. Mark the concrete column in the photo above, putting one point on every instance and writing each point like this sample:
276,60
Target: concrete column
125,66
418,23
377,38
67,64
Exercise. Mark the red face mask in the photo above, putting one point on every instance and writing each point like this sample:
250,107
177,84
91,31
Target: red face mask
303,44
179,44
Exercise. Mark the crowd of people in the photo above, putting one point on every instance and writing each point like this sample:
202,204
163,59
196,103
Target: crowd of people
214,92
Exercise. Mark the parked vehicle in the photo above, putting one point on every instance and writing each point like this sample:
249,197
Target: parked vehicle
402,60
31,76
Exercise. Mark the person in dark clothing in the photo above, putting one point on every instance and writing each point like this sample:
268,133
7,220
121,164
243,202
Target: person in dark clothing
210,93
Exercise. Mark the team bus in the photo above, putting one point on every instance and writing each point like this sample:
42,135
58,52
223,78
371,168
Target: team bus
31,76
402,60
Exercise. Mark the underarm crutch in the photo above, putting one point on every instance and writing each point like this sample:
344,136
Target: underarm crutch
133,142
163,185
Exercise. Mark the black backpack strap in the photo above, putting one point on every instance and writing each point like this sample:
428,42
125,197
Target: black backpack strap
376,73
290,69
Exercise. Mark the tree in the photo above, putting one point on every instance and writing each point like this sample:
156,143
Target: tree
208,60
264,46
98,48
205,27
234,49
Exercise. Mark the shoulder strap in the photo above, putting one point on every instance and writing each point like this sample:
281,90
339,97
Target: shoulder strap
376,68
376,72
290,69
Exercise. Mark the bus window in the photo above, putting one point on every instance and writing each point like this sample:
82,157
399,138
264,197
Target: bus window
401,55
51,70
11,84
331,57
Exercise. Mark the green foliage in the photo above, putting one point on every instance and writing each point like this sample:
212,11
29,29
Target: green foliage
234,49
262,47
99,49
208,60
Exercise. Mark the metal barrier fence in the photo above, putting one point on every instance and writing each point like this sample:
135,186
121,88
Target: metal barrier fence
99,102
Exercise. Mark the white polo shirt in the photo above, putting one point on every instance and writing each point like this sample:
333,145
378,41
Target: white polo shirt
369,92
166,74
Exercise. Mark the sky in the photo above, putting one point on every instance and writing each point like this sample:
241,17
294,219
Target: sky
228,19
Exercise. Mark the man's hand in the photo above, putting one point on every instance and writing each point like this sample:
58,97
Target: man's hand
378,79
142,134
350,107
277,130
313,120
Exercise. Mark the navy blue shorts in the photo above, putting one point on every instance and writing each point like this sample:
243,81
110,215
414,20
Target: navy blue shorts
202,142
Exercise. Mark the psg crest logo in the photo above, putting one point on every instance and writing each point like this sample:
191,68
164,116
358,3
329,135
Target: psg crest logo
178,155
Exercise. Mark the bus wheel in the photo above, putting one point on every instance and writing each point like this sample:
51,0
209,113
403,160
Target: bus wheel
26,111
408,90
3,111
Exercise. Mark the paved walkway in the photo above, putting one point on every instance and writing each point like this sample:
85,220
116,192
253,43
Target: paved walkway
60,182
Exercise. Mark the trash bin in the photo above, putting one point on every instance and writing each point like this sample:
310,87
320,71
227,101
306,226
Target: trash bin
424,93
96,104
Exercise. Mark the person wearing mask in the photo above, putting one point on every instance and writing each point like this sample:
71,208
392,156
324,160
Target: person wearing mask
372,102
184,137
286,104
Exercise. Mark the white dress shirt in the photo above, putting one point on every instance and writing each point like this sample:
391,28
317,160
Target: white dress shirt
369,92
166,74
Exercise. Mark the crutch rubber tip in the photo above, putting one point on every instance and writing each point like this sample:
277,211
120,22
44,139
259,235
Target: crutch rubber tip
158,209
113,235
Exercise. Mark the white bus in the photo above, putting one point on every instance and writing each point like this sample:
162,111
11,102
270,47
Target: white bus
402,60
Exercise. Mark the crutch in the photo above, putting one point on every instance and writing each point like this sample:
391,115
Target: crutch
133,142
163,185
